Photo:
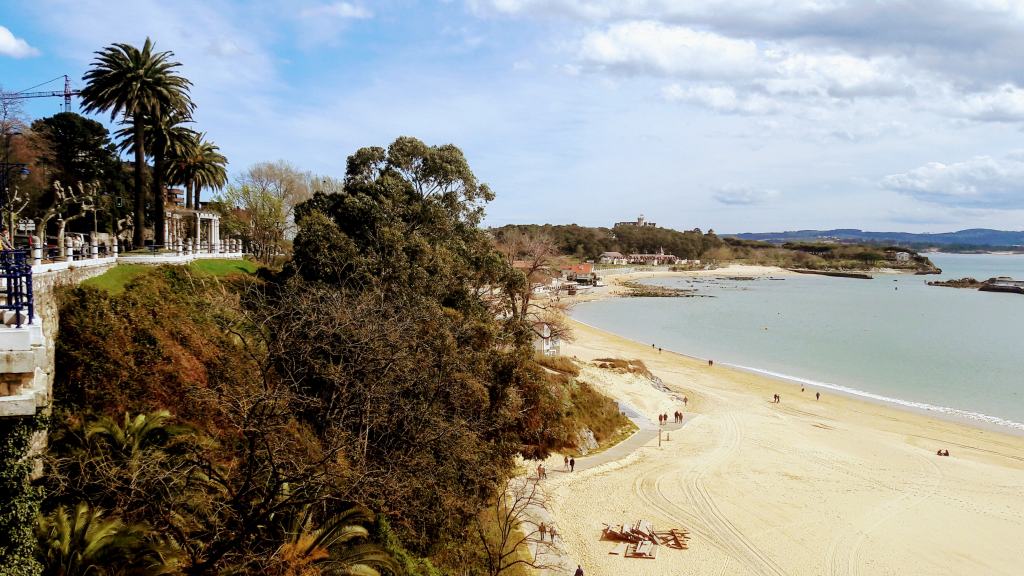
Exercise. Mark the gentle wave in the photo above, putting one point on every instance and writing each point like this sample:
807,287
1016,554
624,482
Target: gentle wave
966,414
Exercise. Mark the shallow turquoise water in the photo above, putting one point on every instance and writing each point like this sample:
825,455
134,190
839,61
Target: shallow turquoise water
895,339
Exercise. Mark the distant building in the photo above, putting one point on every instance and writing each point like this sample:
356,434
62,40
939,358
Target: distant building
581,274
639,222
902,257
544,342
654,259
613,258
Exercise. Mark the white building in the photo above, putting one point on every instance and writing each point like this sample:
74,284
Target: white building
613,258
544,342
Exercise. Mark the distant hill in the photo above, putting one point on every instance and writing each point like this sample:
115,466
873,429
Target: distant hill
975,237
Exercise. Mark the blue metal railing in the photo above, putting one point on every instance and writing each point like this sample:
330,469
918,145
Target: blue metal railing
16,271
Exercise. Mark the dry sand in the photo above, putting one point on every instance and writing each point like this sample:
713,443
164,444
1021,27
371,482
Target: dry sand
615,288
836,486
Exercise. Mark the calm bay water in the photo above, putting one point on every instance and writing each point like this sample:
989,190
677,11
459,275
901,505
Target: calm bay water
895,339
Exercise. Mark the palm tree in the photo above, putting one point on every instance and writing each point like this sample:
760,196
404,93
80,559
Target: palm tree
166,137
137,434
199,165
334,549
135,83
84,542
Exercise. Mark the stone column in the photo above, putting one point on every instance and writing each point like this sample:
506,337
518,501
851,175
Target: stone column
94,248
216,235
116,247
37,251
69,249
199,227
177,247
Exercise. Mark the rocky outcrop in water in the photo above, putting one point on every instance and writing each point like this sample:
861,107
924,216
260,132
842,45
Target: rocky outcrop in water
960,283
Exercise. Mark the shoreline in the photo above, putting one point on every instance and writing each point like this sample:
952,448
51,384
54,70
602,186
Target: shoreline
950,414
953,414
805,487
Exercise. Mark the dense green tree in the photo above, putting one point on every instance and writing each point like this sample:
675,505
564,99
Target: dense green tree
389,322
133,82
77,149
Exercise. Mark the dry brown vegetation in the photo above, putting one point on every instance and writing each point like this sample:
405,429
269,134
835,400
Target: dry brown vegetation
625,366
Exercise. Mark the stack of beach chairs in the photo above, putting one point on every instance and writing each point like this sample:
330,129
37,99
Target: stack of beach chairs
640,540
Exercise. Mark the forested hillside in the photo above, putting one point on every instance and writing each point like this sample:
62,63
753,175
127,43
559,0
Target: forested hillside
588,243
369,389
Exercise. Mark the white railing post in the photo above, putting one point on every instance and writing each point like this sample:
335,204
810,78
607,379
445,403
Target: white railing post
37,251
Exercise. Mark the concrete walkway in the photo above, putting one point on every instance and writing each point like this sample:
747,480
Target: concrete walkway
555,560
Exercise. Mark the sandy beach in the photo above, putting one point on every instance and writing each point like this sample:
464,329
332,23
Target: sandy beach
614,282
836,486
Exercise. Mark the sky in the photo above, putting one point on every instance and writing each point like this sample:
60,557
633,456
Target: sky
736,115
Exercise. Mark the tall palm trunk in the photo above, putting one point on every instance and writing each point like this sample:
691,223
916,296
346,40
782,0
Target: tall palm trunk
159,198
195,190
188,194
138,236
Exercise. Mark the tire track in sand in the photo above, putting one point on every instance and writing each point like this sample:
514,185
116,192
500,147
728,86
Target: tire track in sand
707,520
841,556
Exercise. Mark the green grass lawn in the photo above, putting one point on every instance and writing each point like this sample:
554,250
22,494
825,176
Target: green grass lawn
115,279
224,267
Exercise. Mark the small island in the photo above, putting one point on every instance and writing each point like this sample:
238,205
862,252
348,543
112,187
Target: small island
958,283
998,284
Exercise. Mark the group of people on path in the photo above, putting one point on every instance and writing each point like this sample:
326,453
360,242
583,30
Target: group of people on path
942,453
677,417
547,531
776,399
542,471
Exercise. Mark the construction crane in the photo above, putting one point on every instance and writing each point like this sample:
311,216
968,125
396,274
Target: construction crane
66,94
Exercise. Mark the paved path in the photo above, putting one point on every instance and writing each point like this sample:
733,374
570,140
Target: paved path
647,431
559,564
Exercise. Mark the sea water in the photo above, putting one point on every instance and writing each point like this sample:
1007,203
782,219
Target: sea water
948,351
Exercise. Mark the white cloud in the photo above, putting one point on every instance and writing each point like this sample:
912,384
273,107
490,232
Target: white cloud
11,45
957,58
733,195
344,10
719,69
1004,104
649,47
981,182
723,99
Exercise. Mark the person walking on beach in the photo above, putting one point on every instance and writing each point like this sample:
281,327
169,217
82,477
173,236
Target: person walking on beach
817,395
552,533
711,362
543,530
685,400
572,464
566,460
579,571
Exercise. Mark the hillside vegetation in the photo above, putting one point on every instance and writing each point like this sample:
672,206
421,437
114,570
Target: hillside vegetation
220,421
588,243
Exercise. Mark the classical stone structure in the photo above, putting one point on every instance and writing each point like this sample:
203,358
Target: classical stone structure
198,230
